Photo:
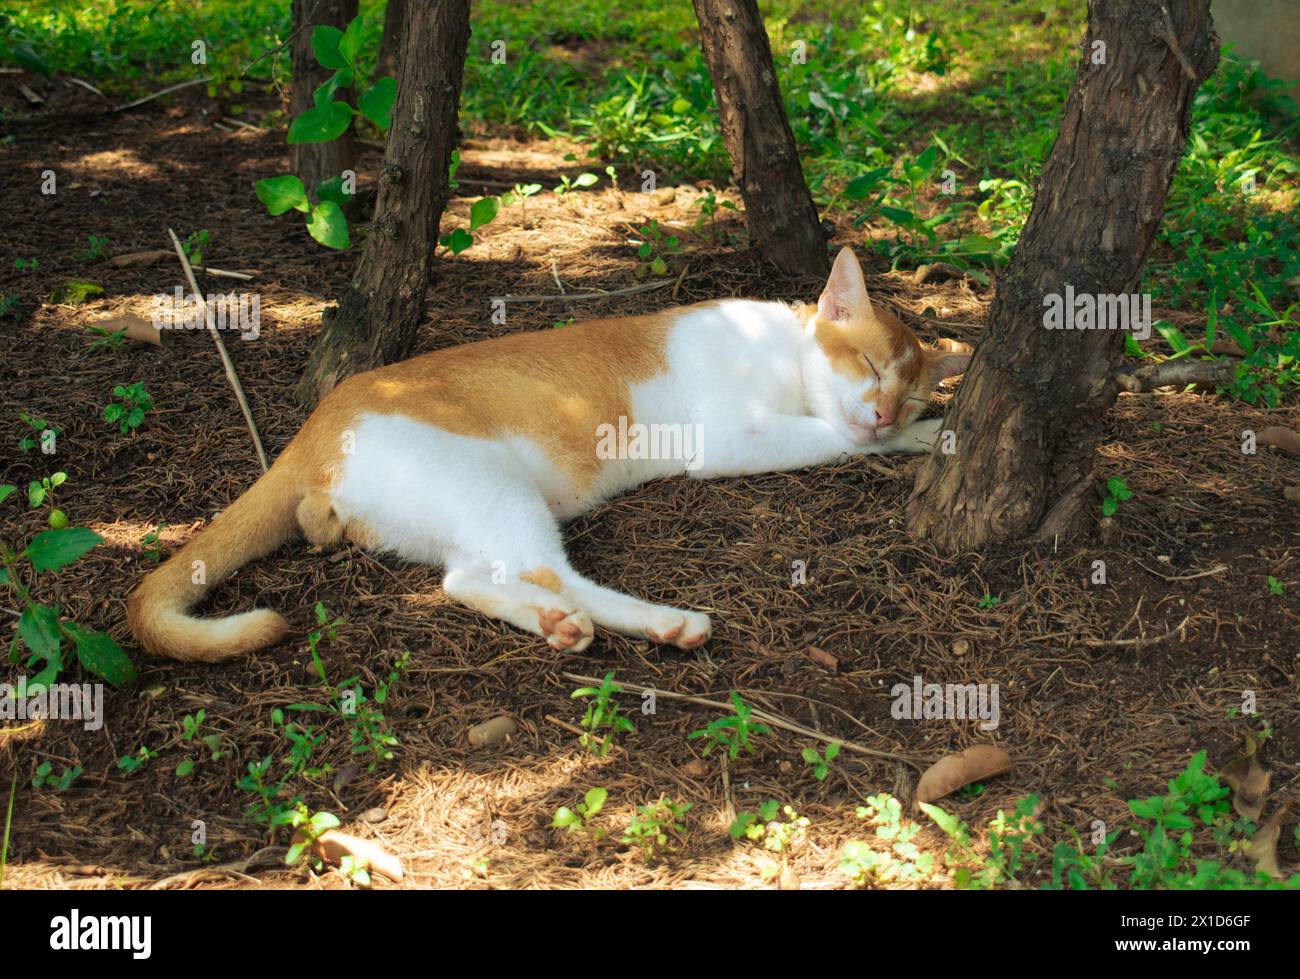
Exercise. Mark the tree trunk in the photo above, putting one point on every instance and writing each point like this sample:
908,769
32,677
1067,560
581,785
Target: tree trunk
376,320
390,48
1031,411
782,218
317,162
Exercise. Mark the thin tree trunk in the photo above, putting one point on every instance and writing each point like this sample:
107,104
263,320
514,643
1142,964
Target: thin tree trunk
390,48
315,163
782,218
1032,409
379,314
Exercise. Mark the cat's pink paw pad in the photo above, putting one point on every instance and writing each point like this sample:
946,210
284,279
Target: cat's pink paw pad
696,632
685,631
567,630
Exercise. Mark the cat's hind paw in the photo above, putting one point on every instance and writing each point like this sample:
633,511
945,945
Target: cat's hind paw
572,631
685,630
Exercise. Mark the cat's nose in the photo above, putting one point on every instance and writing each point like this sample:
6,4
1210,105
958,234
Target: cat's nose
885,416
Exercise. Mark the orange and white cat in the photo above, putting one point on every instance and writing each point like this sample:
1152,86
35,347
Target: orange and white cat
469,457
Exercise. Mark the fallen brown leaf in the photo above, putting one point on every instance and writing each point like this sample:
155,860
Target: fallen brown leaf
1249,784
950,773
1262,847
823,659
1284,438
141,258
137,328
492,732
332,846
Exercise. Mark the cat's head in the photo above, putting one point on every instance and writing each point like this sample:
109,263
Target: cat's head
864,371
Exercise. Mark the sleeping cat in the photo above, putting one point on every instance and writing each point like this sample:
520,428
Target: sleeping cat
469,457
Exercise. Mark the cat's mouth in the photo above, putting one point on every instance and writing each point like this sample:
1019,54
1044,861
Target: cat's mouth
861,431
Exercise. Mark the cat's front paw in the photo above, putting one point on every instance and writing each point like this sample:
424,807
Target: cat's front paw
918,437
685,630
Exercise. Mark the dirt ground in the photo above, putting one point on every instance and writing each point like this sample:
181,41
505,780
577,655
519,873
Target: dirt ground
1091,712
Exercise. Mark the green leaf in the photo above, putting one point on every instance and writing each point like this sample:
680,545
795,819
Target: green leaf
459,240
35,494
324,94
1173,336
1109,506
350,43
322,821
29,59
320,124
295,853
332,190
281,194
595,800
39,627
376,102
897,214
325,45
860,187
97,652
185,768
75,292
51,550
945,821
585,179
5,490
328,225
482,211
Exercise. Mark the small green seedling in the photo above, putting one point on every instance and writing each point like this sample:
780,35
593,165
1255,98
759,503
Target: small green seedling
95,246
133,763
107,339
60,783
578,182
152,543
194,245
821,763
764,827
307,830
657,829
897,858
27,264
988,601
602,713
654,248
41,491
1275,587
47,636
1117,492
41,434
128,411
731,733
578,819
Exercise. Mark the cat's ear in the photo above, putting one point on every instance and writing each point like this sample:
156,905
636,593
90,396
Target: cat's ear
948,358
845,295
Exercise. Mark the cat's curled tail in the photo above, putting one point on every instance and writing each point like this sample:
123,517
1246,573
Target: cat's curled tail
251,527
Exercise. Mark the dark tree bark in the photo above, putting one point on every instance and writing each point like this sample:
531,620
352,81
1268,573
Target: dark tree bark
376,320
779,210
317,162
1032,408
390,48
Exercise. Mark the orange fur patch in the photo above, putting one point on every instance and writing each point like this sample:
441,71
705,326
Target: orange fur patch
555,387
543,577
